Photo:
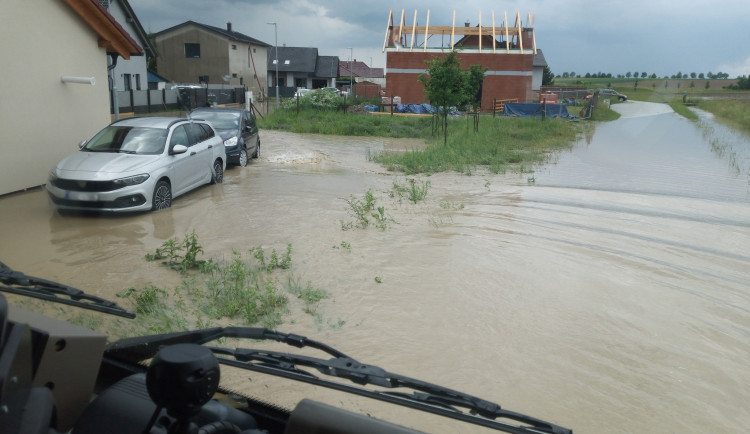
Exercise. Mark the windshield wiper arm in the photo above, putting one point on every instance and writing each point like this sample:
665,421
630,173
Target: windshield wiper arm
426,396
21,284
441,400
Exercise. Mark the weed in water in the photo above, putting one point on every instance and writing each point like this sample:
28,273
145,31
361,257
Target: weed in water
180,255
412,190
381,221
344,245
284,262
336,324
450,205
360,209
243,290
310,295
149,300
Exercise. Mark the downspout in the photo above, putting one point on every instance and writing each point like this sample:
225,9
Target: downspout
113,85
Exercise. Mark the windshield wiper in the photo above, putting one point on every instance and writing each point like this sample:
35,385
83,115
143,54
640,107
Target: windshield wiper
21,284
424,396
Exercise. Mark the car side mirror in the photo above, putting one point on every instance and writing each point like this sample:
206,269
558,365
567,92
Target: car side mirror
178,149
82,144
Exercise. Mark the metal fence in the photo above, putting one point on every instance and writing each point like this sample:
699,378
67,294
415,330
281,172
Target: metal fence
177,98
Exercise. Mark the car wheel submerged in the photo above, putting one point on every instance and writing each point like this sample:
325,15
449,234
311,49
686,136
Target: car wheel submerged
218,176
256,154
243,157
162,196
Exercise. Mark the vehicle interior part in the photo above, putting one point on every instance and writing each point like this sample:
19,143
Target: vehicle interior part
65,359
315,417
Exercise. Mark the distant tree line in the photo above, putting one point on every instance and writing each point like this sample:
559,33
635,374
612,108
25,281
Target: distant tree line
636,75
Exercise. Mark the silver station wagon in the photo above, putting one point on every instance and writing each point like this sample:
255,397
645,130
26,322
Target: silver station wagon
138,164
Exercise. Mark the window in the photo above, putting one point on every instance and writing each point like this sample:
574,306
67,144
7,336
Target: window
126,82
179,137
192,51
200,132
234,75
234,47
138,82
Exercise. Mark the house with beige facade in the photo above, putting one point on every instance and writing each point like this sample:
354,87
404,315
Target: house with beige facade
198,53
59,96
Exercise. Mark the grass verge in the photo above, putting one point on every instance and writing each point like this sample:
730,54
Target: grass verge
500,144
734,112
347,124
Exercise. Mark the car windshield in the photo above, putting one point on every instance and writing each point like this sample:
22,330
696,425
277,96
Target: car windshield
220,120
128,139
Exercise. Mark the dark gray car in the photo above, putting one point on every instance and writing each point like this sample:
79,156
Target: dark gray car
237,128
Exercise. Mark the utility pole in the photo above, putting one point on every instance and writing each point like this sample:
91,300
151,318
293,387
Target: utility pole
276,46
351,71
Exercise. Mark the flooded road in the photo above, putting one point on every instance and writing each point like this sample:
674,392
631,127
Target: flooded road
609,291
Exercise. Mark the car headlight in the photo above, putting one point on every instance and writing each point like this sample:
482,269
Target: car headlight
132,180
230,142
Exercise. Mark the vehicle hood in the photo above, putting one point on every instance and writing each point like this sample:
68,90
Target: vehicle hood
227,133
101,165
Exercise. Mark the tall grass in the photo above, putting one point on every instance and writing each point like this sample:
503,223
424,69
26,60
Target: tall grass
734,112
499,145
346,124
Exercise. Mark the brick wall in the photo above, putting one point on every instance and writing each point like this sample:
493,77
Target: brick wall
508,75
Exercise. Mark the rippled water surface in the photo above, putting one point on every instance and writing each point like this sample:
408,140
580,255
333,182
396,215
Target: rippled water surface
609,291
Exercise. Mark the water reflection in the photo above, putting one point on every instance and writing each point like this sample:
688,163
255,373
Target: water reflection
663,154
727,143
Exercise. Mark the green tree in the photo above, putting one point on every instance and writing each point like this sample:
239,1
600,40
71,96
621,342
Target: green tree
151,64
447,86
548,78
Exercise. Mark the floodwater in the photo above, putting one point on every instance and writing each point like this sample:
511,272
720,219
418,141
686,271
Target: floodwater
609,291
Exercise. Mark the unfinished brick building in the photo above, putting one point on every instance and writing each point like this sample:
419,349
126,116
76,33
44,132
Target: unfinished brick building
509,53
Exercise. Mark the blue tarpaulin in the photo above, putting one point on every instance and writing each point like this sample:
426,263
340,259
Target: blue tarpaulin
415,108
535,110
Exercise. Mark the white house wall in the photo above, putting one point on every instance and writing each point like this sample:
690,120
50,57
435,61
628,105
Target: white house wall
41,118
136,68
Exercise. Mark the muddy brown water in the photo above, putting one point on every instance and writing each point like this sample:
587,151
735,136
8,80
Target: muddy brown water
609,291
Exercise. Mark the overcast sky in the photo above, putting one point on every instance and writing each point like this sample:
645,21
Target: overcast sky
653,36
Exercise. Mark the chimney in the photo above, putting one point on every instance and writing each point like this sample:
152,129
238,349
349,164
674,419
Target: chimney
466,24
229,26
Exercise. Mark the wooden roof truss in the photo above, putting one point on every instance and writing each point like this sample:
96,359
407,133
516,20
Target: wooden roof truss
403,36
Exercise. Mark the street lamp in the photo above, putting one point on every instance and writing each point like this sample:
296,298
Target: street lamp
276,46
